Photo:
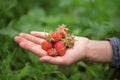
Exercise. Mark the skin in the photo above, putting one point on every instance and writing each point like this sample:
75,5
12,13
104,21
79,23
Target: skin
91,50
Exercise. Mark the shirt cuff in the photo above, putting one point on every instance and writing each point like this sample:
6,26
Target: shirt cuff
115,42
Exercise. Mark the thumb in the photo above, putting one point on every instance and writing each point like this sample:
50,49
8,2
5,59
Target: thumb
53,60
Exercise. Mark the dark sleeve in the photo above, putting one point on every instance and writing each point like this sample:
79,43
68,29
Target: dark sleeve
115,42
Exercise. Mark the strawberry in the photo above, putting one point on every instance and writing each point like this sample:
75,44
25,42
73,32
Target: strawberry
62,30
58,42
55,36
60,48
51,52
69,41
46,45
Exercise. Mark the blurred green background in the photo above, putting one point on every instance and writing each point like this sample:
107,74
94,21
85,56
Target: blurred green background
95,19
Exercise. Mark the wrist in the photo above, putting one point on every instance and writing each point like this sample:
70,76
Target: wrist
99,51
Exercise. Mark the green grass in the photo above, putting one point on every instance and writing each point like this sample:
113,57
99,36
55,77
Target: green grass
95,19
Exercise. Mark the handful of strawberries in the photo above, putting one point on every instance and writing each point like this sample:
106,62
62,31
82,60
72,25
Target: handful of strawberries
58,41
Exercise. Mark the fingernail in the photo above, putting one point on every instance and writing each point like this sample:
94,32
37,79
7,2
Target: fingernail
21,34
32,32
41,60
17,39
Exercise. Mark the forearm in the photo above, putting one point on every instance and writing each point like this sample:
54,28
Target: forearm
99,51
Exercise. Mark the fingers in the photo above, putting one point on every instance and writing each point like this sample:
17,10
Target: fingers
26,44
35,48
31,38
39,34
18,39
53,60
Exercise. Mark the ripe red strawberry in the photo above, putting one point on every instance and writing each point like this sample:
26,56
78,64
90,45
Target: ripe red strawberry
55,36
58,42
60,48
62,30
52,52
46,45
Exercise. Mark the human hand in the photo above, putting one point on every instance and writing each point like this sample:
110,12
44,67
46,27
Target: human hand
32,42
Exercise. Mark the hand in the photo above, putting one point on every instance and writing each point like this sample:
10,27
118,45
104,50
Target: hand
32,42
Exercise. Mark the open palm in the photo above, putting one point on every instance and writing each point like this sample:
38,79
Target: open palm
32,42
